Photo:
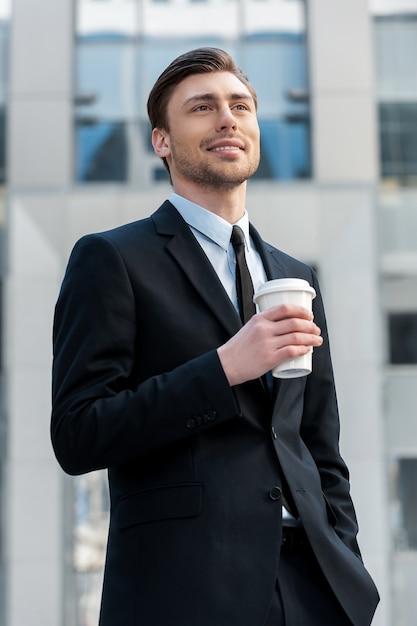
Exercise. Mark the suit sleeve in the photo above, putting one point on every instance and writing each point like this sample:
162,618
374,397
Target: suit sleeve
320,431
101,416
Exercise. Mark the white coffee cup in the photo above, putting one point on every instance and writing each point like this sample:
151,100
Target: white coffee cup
288,291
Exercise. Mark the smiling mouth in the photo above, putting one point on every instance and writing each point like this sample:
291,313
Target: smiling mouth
225,148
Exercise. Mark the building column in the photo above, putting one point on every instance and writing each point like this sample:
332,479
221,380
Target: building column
39,160
345,153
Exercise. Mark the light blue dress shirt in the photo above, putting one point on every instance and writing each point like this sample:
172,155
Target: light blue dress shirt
213,233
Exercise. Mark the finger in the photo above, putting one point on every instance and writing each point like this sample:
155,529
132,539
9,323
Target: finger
306,340
286,311
292,325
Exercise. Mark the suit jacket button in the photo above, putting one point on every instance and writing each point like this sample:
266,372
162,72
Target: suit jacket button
275,493
191,423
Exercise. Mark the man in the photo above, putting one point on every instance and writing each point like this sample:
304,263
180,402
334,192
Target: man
230,502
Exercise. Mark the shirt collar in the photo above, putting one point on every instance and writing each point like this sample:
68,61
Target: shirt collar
207,223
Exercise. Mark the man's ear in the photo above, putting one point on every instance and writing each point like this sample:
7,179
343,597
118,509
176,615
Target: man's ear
160,142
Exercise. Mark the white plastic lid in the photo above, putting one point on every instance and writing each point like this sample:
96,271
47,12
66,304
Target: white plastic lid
285,284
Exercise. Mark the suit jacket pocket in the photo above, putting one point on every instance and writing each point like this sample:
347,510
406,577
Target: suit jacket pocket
160,503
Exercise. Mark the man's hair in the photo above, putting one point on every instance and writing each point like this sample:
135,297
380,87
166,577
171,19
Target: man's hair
199,61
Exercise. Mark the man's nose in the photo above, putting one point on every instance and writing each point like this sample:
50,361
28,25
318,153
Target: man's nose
226,119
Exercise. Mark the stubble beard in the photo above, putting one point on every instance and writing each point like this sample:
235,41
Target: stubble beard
211,175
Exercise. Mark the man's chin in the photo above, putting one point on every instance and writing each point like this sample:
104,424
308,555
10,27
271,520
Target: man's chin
229,177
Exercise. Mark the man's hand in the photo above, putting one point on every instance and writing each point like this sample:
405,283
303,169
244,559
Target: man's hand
280,333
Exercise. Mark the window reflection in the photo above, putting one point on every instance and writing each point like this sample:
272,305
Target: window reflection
4,39
118,62
404,503
403,338
101,152
398,135
396,50
91,503
284,150
2,143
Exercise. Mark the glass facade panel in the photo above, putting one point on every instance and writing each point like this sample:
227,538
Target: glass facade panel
398,140
91,507
117,64
101,151
396,51
403,473
283,103
403,338
106,103
4,36
2,530
105,78
2,143
404,489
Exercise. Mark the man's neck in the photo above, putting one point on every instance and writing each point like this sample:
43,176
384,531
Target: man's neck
227,203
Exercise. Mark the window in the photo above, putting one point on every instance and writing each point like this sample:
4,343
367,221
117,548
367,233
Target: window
4,36
105,106
3,456
102,151
2,144
1,302
404,489
395,53
403,338
398,140
283,103
91,504
118,62
2,554
403,565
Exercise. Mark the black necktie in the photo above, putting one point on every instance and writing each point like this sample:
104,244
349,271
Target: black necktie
244,285
247,308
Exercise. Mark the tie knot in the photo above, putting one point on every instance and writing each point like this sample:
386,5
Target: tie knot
237,238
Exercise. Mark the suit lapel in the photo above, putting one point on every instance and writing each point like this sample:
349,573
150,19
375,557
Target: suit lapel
188,254
273,265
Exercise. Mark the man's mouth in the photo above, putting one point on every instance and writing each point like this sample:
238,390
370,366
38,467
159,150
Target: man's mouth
225,148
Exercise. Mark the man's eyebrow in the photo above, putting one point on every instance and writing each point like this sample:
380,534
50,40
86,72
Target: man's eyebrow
211,97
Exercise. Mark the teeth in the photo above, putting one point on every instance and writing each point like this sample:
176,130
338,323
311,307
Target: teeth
220,148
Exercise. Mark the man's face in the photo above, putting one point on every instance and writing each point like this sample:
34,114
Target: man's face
213,137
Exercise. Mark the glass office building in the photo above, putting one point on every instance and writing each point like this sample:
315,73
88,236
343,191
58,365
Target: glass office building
337,188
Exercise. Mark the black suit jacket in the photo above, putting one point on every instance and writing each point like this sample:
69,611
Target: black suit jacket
195,523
